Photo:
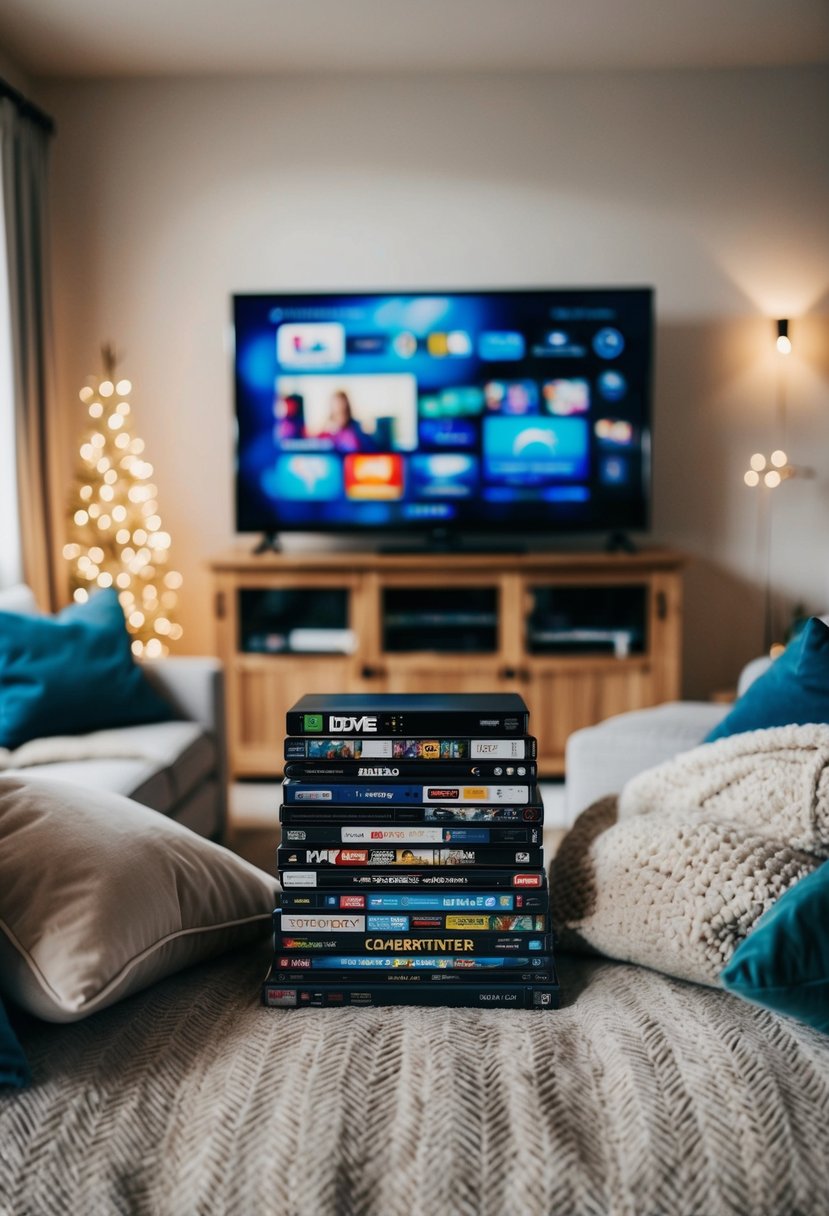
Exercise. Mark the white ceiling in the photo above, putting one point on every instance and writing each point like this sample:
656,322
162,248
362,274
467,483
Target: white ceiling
138,37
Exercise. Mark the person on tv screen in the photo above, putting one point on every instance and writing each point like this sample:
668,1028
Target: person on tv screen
289,412
342,428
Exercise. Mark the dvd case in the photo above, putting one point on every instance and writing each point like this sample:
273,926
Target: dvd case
390,815
416,857
417,902
378,834
415,714
344,793
337,922
441,876
417,942
407,770
464,996
435,751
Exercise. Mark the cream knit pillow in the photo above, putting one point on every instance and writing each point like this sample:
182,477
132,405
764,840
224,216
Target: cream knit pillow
666,890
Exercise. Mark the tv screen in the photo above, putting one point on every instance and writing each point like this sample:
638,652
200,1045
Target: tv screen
460,411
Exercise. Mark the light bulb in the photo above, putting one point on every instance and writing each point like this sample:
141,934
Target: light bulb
114,421
106,388
86,493
784,345
122,440
96,409
119,513
176,632
86,394
80,518
87,451
70,551
751,478
123,387
104,579
96,554
172,579
123,579
772,479
779,459
104,523
136,619
80,595
137,647
107,493
758,461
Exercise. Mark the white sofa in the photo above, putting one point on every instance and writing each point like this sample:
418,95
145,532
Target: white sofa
600,759
177,768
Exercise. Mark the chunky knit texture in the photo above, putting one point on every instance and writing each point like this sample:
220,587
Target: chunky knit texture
676,871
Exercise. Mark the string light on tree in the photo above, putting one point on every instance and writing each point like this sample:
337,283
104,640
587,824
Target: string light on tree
115,534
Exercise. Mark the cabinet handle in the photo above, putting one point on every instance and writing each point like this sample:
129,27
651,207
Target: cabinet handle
371,673
509,673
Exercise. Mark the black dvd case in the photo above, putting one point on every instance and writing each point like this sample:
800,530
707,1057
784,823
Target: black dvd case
435,812
540,996
417,903
438,877
416,857
401,835
518,771
429,714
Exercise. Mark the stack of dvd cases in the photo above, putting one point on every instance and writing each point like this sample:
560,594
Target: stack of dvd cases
411,861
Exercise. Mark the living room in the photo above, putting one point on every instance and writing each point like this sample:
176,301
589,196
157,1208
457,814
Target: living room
363,148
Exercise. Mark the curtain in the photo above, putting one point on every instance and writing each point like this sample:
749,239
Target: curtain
24,148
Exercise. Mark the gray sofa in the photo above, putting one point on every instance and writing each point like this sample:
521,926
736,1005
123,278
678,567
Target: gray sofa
177,768
600,759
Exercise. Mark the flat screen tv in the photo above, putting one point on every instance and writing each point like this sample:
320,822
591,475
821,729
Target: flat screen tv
445,412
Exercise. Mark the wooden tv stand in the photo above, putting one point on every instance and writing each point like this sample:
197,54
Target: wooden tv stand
580,636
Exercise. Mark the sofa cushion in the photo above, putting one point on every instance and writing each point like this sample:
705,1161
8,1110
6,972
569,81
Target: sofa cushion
157,764
19,598
71,673
783,964
600,759
100,897
794,689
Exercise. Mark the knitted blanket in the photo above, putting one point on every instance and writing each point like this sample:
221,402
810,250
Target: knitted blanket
643,1096
676,871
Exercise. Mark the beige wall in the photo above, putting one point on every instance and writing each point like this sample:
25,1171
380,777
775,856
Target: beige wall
713,186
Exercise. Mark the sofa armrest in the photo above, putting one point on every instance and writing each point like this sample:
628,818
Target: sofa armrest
193,686
752,671
600,759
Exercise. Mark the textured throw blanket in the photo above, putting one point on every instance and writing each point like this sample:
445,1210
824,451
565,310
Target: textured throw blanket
57,749
676,871
642,1096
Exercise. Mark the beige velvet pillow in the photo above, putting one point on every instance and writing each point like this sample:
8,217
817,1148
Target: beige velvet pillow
100,897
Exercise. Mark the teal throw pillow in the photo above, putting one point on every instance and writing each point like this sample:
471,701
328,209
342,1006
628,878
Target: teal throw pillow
14,1067
783,964
794,690
72,673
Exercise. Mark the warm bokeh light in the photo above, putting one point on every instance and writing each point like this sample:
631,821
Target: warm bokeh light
784,345
779,459
117,537
758,461
751,478
772,479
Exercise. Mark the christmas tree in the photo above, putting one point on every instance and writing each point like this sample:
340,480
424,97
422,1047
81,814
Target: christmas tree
115,533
